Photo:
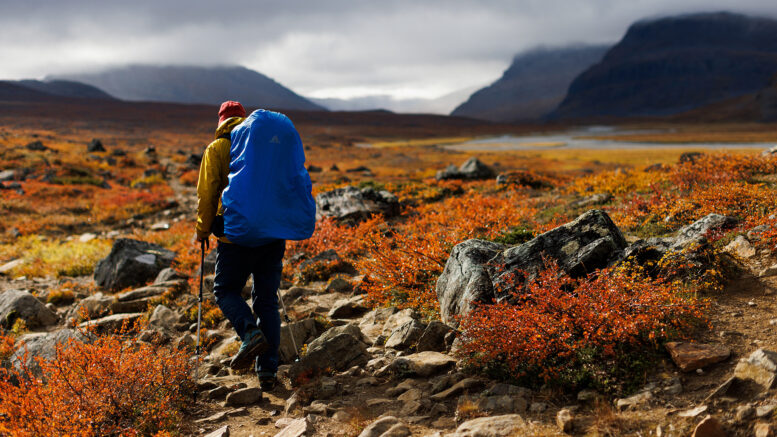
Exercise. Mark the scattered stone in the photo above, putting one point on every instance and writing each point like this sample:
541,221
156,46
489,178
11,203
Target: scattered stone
433,338
112,323
379,427
564,420
352,205
244,396
458,388
296,428
538,407
765,273
19,304
304,332
218,417
221,432
691,356
95,146
348,308
596,199
709,427
337,349
472,169
744,412
406,336
495,426
41,346
697,230
762,429
10,265
740,248
219,392
36,146
423,364
130,263
339,285
141,293
7,175
160,226
760,366
163,318
765,410
693,412
634,401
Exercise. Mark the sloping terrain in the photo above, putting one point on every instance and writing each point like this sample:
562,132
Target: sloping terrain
533,86
675,64
184,84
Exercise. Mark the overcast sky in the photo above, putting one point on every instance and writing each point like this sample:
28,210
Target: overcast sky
321,48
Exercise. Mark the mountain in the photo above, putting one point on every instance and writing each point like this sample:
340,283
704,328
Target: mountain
533,85
440,105
188,84
671,65
45,90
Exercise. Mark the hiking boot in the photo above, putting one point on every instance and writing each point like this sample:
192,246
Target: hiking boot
254,345
267,382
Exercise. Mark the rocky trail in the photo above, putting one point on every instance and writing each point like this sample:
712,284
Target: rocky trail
386,372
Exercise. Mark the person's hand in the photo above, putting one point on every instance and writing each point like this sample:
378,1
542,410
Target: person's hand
201,242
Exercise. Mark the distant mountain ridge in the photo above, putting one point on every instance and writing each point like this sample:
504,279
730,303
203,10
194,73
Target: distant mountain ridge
440,105
190,84
534,84
671,65
29,89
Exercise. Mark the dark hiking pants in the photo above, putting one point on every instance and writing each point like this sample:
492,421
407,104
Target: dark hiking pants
233,265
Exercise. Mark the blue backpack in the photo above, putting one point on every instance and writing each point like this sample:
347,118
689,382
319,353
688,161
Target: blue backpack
268,196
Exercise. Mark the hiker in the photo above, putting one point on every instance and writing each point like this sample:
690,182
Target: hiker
254,194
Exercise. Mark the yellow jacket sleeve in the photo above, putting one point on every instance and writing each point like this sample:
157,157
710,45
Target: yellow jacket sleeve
214,170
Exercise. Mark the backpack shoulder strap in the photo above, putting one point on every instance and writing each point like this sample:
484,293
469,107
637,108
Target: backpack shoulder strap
226,136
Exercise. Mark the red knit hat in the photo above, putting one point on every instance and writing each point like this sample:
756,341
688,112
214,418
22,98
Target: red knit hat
230,108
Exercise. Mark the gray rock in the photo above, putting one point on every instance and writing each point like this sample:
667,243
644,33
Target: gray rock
163,318
167,275
372,323
465,280
433,338
95,146
423,364
221,432
339,285
494,426
140,293
564,420
464,385
406,336
596,199
41,346
634,401
477,272
132,306
297,428
304,331
760,367
217,393
19,304
380,426
694,232
7,175
352,205
472,169
740,248
131,263
398,319
348,308
244,396
93,306
111,323
336,349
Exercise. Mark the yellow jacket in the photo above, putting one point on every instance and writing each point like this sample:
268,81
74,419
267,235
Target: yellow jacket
214,170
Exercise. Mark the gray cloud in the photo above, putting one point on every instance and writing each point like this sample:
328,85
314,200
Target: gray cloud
321,48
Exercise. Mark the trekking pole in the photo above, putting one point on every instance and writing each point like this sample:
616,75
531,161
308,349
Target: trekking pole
288,323
199,308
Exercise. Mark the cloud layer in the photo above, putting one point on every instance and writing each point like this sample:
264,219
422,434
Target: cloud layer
333,48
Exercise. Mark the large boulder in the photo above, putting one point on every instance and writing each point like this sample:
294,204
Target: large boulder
339,348
304,332
352,205
472,169
131,263
41,346
480,271
492,426
19,304
465,279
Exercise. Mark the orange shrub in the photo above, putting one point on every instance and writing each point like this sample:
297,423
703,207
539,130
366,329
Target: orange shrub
404,261
109,387
550,331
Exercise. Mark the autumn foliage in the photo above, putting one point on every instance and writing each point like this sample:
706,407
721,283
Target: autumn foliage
558,325
111,386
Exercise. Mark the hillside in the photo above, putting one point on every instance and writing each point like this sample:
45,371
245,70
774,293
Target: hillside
36,90
534,85
189,84
440,105
670,65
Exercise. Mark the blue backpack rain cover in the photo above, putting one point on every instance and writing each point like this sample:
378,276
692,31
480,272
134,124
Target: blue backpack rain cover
268,196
